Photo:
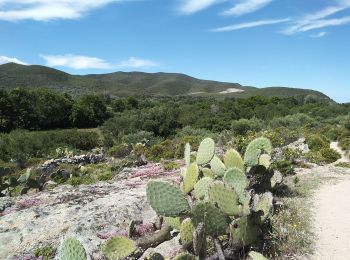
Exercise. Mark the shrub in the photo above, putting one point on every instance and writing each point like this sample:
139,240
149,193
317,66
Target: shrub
164,150
120,151
317,142
286,167
323,156
242,126
45,252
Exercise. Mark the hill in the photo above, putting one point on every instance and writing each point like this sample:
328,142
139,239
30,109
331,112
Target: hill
133,83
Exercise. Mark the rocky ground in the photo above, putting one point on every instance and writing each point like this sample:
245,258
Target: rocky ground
92,212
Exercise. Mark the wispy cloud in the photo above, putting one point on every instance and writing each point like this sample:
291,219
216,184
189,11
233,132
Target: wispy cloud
319,35
193,6
320,19
85,62
46,10
247,6
136,63
5,59
240,26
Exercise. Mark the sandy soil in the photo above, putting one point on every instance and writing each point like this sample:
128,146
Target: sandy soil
332,218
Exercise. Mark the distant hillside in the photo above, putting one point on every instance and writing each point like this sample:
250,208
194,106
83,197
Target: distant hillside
133,83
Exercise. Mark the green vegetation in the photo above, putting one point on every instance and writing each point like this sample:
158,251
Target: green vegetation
134,83
45,252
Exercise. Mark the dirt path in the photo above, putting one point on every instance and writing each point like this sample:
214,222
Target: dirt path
332,217
335,146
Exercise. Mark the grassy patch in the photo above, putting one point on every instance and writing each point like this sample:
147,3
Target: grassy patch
45,252
343,165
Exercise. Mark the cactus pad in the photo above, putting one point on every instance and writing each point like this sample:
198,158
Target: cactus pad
190,178
233,159
187,154
118,248
265,160
256,256
214,219
205,151
185,256
237,179
72,249
166,199
199,240
186,232
263,203
244,231
175,223
201,188
217,166
255,149
224,197
208,173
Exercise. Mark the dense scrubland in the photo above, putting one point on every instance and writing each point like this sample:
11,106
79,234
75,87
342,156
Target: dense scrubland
39,125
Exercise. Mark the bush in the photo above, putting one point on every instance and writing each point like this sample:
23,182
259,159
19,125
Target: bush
120,151
242,126
286,167
323,156
164,150
317,142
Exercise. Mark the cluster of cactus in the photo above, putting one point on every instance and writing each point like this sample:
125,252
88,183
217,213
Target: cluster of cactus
6,184
27,181
219,196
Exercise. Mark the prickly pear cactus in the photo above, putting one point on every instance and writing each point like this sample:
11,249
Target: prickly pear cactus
175,223
201,188
217,166
224,197
118,248
205,151
166,199
256,148
265,160
199,240
72,249
187,154
190,178
215,221
236,178
244,231
186,232
233,159
263,202
256,256
208,173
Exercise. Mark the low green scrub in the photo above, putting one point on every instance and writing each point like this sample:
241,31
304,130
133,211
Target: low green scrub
44,253
323,156
22,145
343,165
317,142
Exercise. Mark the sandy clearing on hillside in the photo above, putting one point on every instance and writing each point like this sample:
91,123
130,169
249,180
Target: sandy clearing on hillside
231,90
332,217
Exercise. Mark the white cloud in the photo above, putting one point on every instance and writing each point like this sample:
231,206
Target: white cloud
4,60
240,26
247,6
86,62
193,6
133,62
320,19
319,35
75,62
46,10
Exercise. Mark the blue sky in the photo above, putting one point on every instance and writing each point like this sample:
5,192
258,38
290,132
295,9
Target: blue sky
294,43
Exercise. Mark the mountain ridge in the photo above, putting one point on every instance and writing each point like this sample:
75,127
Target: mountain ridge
135,83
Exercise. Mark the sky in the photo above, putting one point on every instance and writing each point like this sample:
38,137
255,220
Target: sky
262,43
